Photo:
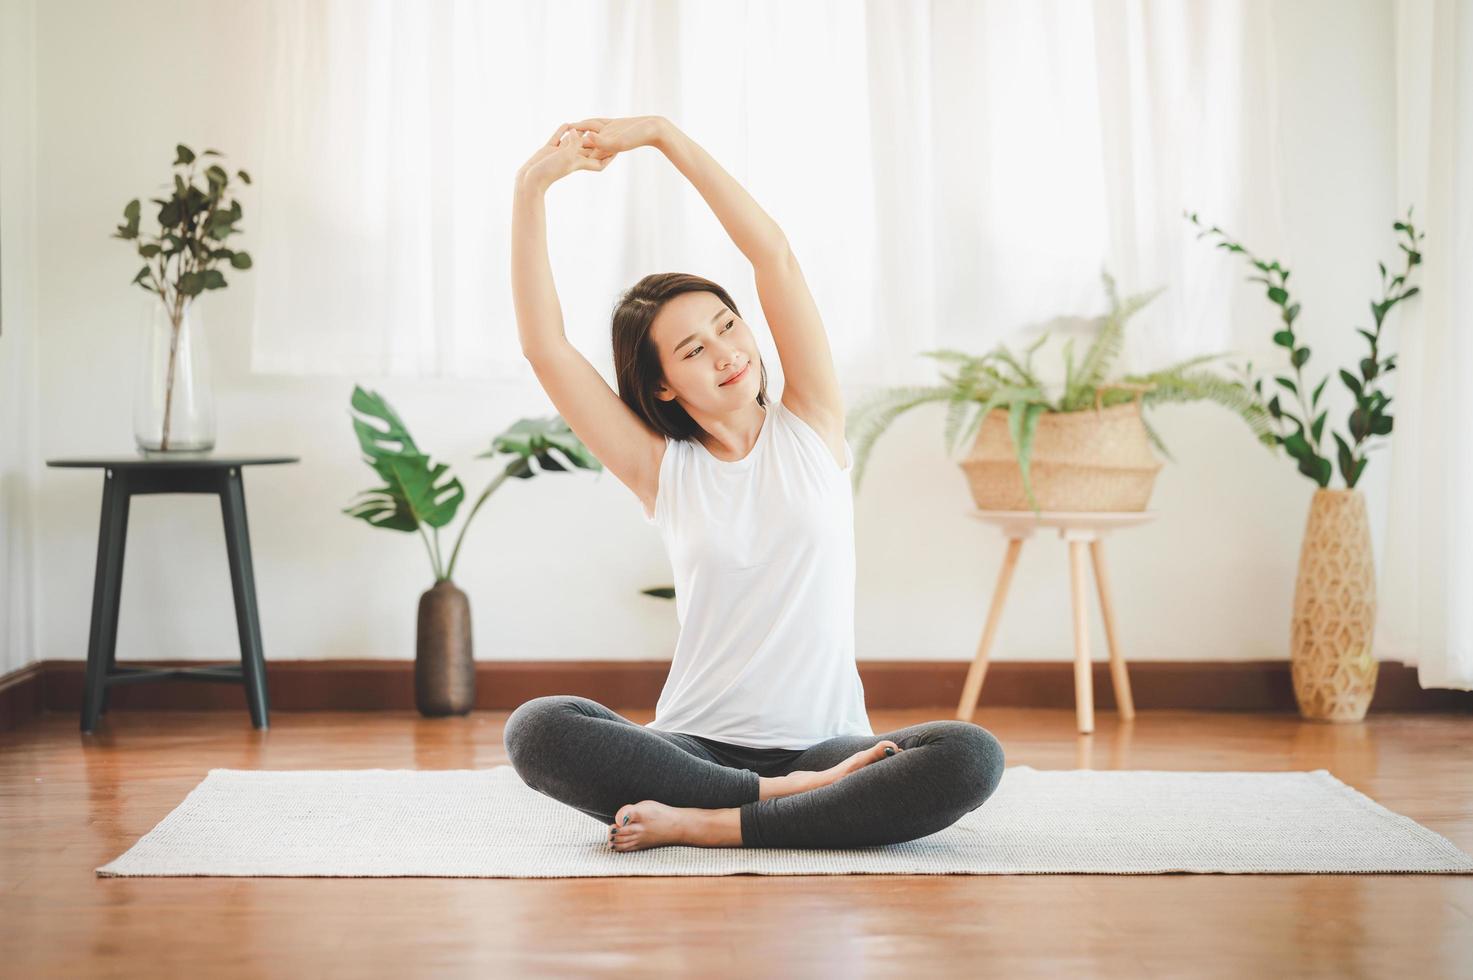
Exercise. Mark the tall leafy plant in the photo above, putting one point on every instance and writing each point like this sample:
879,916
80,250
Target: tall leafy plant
1299,427
181,259
419,494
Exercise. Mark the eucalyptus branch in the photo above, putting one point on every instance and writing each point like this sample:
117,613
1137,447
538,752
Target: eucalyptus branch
1369,417
1304,443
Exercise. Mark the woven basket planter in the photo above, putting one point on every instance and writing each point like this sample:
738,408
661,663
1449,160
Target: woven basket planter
1087,461
1334,620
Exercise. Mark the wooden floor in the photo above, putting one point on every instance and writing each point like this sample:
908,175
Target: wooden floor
70,803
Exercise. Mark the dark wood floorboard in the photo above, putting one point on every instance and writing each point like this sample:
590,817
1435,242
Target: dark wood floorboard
69,804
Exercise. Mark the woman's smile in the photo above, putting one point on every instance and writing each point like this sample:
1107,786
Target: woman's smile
736,377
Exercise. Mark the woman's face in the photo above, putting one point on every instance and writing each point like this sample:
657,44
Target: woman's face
702,344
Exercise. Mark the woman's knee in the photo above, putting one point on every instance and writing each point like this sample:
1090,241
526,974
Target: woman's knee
989,760
983,760
524,724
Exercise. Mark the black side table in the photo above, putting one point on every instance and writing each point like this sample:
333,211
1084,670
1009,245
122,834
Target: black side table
129,475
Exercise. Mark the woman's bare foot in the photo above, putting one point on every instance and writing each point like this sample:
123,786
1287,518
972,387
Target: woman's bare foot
803,780
652,824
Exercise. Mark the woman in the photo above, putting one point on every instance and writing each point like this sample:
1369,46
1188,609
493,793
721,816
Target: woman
760,737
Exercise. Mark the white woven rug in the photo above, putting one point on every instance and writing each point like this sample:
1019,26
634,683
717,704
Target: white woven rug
488,823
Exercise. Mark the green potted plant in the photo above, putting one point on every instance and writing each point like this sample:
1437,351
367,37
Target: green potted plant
1333,624
173,406
418,494
1082,446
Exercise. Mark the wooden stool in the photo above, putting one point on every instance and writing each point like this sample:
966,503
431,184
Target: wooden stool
1079,529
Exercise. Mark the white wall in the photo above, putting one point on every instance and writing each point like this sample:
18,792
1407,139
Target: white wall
19,465
554,565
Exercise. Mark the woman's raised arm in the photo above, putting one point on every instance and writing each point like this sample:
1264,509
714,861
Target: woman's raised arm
810,383
539,315
618,438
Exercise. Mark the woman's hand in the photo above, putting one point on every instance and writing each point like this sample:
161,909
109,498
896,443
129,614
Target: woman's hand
562,155
627,133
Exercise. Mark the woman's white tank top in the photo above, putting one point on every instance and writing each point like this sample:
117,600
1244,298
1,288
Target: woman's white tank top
763,554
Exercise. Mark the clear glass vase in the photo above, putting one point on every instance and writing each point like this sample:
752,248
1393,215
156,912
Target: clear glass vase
173,403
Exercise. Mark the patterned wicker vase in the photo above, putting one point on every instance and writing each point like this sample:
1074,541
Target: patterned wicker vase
1335,610
1094,460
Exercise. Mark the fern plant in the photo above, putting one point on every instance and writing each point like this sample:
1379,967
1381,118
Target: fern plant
974,385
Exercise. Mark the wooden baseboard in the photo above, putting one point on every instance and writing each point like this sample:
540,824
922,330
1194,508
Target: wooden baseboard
380,685
22,695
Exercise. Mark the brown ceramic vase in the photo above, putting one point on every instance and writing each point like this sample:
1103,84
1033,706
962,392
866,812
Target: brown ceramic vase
444,668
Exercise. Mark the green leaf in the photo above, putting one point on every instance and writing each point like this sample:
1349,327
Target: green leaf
1293,311
415,491
131,210
393,438
424,490
1317,468
384,508
1351,382
534,437
874,413
1318,427
1381,425
1287,383
1300,356
1277,294
240,260
1315,400
1347,461
1360,424
245,177
1284,338
1022,424
186,155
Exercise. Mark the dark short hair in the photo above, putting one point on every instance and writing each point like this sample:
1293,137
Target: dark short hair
637,362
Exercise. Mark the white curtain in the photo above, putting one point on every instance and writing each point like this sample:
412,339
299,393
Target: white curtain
1426,597
949,173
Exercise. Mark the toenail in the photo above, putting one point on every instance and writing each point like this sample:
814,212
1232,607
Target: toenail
889,751
626,818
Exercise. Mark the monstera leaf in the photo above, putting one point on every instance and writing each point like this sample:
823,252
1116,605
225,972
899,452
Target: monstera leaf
393,440
415,491
537,439
418,493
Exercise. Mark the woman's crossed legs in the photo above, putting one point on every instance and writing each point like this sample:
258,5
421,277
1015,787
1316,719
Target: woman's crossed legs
674,788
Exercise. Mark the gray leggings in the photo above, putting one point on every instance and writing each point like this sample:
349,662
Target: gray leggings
579,752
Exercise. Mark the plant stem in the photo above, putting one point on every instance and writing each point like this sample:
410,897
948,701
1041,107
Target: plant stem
484,494
434,560
169,379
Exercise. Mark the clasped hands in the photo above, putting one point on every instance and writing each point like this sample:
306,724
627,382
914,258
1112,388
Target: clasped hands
590,144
